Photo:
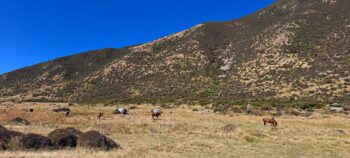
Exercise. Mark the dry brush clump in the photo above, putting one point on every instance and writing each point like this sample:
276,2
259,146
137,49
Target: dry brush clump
64,138
30,141
94,139
57,139
6,136
19,121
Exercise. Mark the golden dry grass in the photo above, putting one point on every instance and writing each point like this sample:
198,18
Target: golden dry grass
183,133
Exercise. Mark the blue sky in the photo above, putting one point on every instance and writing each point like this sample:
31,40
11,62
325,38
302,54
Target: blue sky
34,31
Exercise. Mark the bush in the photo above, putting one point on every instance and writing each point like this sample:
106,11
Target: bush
62,138
19,121
266,107
32,141
94,139
204,102
5,138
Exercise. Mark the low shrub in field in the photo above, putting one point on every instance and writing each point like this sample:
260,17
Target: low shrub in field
57,139
32,142
63,138
19,121
94,139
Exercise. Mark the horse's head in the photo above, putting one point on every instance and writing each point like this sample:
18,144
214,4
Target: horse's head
274,122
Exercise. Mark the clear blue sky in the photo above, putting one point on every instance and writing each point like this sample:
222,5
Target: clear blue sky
34,31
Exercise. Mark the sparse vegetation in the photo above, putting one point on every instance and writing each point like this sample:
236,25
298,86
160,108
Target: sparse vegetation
289,50
214,83
208,135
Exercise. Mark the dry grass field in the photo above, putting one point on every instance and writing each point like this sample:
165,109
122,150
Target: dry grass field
181,132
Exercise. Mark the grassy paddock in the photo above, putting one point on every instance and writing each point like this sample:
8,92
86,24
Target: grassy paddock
183,133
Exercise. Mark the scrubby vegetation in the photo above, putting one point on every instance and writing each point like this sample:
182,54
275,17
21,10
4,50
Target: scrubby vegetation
294,50
238,133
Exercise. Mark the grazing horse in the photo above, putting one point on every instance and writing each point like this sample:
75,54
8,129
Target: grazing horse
272,121
156,113
100,115
121,111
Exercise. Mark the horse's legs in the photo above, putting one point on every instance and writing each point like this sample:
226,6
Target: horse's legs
264,123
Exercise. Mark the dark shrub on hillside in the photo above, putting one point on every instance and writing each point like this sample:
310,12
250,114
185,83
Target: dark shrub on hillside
276,113
266,107
32,142
221,109
94,139
19,121
62,138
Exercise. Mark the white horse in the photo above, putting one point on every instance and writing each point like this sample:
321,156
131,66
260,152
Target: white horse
156,113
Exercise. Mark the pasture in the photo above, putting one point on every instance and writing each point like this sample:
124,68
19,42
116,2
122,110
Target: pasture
181,132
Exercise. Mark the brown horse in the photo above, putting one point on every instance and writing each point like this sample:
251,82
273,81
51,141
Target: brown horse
100,115
272,121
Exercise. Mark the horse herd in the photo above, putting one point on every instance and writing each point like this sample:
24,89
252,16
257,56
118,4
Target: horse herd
155,113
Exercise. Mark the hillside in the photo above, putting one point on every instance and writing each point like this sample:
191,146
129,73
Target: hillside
292,50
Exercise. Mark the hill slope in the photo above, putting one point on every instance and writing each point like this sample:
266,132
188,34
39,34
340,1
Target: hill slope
294,49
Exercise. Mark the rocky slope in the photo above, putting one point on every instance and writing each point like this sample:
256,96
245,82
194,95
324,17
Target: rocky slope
292,50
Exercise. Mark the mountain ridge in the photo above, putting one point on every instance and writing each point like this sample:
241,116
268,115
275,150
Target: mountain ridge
291,50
